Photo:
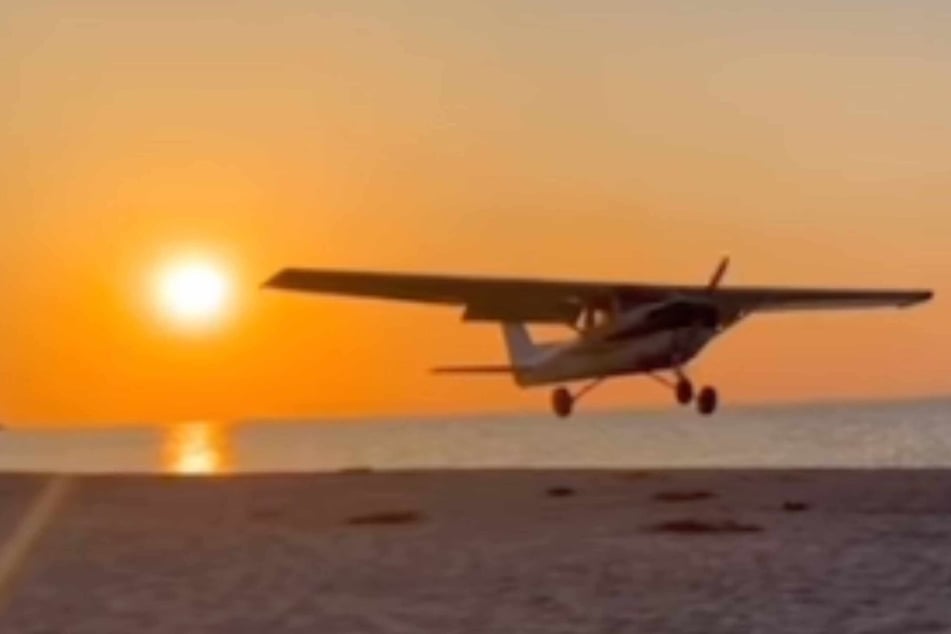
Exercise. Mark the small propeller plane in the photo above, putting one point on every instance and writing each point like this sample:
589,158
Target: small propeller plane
621,329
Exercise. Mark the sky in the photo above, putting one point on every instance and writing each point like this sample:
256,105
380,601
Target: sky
609,140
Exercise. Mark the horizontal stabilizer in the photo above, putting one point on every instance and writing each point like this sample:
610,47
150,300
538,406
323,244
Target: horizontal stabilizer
475,369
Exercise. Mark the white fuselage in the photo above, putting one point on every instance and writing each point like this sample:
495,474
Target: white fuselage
647,339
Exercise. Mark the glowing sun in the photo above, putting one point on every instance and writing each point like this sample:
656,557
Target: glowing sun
194,292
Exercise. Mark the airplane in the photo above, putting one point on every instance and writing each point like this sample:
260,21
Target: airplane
620,329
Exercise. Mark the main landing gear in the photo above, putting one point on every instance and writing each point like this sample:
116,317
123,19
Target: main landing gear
706,400
563,401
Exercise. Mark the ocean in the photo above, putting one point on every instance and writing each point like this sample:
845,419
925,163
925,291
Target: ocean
914,434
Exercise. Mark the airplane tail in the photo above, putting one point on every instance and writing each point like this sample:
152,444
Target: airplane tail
522,351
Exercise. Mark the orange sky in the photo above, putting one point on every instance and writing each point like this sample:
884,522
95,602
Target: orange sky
531,138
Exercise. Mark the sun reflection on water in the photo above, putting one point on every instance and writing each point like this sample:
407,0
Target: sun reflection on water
197,448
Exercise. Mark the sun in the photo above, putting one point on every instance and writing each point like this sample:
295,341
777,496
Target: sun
194,292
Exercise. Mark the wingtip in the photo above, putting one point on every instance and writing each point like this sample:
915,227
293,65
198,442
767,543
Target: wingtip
920,297
274,281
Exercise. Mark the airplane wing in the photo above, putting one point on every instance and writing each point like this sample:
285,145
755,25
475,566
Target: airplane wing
780,299
552,301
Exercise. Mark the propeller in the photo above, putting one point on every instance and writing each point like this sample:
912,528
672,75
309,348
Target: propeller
718,274
713,320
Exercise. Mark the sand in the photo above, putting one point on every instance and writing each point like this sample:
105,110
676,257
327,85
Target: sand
488,551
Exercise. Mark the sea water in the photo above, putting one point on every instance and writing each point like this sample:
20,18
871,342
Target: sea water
897,434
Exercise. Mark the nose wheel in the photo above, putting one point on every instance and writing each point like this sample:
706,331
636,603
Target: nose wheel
707,401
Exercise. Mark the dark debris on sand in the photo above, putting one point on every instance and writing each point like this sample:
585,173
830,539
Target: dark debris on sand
692,526
795,507
386,518
683,496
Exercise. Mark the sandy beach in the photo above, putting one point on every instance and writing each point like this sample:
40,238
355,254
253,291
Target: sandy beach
487,551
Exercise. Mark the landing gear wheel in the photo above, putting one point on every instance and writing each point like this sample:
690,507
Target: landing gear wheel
684,391
707,401
562,402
